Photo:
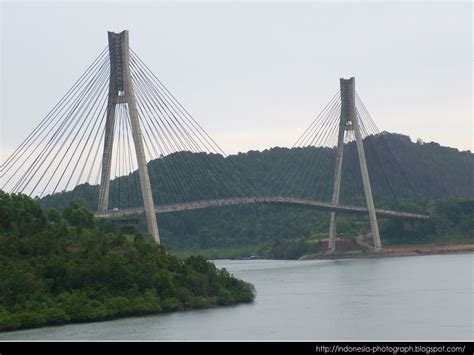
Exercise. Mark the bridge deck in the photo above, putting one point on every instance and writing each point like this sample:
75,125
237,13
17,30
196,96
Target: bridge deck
193,205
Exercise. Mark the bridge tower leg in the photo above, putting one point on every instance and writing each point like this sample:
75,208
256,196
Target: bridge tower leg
121,93
337,186
349,121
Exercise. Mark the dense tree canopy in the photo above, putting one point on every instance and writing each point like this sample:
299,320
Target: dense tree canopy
69,267
451,220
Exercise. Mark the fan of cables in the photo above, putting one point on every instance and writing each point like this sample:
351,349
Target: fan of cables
307,169
63,153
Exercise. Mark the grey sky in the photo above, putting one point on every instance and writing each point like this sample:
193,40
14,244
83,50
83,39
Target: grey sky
254,74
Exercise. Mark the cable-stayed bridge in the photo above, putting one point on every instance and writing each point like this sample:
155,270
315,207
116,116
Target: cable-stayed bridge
119,131
272,200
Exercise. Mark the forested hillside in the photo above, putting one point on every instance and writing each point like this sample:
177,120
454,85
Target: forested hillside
70,267
405,175
397,166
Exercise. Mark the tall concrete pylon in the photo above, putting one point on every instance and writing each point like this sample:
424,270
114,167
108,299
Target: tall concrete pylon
121,93
349,120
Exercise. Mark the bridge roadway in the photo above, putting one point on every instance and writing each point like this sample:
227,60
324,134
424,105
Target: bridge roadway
291,201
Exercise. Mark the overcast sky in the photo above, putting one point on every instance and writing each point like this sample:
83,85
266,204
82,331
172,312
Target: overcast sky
253,74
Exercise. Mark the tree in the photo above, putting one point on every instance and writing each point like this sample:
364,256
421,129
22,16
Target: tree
78,214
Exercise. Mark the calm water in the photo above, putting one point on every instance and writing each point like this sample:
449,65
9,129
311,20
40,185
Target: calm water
425,297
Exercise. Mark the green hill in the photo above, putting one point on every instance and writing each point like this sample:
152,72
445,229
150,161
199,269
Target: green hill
414,173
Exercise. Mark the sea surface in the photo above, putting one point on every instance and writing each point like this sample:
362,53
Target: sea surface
397,298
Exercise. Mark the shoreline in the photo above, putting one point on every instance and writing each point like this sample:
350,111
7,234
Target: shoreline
137,314
398,251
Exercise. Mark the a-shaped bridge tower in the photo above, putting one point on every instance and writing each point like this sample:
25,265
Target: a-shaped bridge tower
121,93
349,121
